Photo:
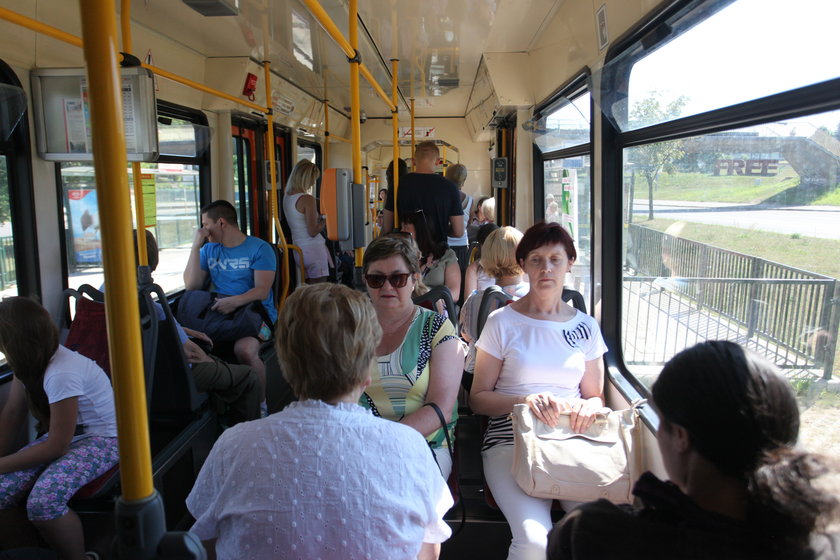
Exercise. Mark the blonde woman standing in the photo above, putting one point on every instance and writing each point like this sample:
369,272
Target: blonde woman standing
305,222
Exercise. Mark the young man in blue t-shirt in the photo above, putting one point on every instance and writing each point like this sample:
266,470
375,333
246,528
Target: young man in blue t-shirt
240,266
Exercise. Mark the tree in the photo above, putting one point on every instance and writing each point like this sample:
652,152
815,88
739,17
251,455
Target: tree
652,159
5,206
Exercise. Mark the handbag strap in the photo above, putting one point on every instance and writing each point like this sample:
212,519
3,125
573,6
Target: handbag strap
443,426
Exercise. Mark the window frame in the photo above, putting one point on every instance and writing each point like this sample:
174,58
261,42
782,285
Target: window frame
806,100
165,109
579,85
17,150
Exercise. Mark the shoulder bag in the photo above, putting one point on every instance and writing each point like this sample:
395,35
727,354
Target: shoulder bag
557,463
194,312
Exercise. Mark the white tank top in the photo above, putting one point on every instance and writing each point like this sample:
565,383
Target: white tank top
462,241
297,222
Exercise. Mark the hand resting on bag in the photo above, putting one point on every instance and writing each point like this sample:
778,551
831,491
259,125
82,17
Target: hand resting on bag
226,305
547,408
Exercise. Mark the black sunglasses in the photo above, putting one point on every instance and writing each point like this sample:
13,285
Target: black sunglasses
397,280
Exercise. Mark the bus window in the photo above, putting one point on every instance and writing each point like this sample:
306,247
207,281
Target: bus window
730,232
563,135
171,189
307,150
8,278
242,182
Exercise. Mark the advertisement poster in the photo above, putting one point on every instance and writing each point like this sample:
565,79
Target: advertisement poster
84,226
75,136
149,199
568,201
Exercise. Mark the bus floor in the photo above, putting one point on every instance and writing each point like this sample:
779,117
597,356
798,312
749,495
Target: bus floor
485,533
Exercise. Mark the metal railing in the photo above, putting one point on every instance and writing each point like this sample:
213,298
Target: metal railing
8,270
787,314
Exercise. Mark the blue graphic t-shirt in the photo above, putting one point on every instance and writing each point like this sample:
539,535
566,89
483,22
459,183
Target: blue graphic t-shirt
232,268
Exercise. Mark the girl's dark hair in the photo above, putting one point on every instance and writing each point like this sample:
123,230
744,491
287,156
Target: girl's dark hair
742,415
543,233
29,339
422,235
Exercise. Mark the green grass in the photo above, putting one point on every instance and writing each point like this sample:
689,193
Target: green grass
829,199
809,253
703,187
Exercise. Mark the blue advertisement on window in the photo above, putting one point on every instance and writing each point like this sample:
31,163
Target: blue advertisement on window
84,226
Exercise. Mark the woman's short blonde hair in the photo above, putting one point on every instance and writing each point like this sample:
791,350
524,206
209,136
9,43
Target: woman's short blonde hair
488,208
326,340
457,174
498,254
303,177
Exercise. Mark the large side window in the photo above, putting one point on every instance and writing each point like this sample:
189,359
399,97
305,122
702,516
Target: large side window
563,137
172,192
731,190
18,254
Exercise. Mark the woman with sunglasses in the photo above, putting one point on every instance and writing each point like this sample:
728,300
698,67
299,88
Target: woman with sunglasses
420,357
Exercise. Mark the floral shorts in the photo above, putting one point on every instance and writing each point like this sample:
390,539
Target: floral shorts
50,486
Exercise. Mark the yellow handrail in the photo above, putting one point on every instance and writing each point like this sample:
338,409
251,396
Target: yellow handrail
299,251
39,27
349,47
201,87
99,28
395,168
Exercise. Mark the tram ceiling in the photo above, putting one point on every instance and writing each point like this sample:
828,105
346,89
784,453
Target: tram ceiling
439,44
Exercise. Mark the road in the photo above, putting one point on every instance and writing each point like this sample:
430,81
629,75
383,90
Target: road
808,221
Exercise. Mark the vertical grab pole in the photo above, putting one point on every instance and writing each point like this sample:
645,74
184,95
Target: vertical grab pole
326,132
412,133
272,170
139,208
101,53
395,171
355,111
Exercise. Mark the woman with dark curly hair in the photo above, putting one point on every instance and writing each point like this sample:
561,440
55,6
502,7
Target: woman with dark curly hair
739,488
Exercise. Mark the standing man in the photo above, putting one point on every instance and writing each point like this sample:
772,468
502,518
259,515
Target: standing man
425,190
240,266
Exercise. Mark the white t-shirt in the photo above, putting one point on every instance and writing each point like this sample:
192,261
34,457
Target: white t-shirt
537,356
320,481
70,374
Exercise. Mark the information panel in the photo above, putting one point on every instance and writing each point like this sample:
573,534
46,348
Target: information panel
61,100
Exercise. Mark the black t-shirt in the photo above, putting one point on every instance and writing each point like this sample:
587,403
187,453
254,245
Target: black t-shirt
435,195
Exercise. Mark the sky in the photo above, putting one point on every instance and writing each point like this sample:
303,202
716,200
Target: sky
749,49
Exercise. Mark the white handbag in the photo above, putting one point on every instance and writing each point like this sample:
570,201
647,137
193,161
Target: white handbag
557,463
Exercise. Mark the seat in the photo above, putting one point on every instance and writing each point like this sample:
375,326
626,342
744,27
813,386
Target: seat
178,414
439,293
170,389
575,298
87,334
492,299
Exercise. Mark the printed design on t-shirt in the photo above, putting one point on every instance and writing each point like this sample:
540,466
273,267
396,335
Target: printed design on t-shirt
577,335
371,405
241,263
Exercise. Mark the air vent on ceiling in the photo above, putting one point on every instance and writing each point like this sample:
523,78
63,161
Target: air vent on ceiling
214,7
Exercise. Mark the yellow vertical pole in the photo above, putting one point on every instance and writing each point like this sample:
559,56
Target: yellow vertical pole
412,134
99,33
395,63
444,158
501,217
272,169
326,133
139,208
355,111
